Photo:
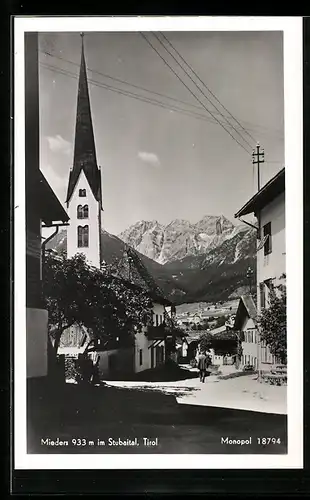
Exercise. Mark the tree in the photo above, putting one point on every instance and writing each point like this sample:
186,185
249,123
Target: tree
226,343
77,294
204,325
272,322
205,341
221,320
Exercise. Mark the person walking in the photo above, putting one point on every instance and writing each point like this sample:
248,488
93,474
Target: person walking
96,374
202,366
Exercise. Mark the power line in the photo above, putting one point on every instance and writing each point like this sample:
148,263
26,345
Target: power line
133,95
157,103
167,50
179,78
124,81
261,127
204,84
129,94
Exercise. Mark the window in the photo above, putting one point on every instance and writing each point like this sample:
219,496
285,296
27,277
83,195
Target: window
267,232
82,236
262,295
80,212
268,289
82,193
141,356
85,212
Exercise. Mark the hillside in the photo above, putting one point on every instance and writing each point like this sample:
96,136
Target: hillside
206,261
112,253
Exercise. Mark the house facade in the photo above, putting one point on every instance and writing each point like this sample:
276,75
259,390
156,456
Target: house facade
246,326
42,208
150,346
268,206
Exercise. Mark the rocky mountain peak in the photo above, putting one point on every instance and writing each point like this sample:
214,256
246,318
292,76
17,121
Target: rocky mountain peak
180,238
214,224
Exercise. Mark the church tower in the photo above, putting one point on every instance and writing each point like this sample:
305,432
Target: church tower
84,197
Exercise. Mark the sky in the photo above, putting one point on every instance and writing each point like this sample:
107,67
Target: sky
158,163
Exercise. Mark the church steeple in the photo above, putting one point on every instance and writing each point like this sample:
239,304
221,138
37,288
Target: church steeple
84,147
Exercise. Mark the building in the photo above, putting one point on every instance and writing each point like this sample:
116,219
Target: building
84,197
246,325
188,348
84,202
143,350
42,207
268,206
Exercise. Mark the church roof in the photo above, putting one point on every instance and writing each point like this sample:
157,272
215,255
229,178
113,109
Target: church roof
84,148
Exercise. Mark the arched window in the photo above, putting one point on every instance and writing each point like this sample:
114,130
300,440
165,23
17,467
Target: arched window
85,212
82,193
80,212
82,236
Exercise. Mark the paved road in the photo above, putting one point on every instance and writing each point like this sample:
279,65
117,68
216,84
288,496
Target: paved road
101,416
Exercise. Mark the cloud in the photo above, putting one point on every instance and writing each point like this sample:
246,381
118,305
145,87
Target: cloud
57,183
58,144
150,158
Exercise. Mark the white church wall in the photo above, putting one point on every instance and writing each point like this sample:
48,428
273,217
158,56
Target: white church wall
92,252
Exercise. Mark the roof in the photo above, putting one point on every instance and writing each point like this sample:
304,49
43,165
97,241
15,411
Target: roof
246,307
84,147
265,195
218,330
42,199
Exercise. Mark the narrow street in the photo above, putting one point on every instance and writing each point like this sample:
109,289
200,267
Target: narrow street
239,393
96,419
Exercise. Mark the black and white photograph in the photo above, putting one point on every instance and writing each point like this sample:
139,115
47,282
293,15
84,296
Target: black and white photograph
156,177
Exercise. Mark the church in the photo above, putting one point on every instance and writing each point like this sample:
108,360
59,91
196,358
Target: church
85,206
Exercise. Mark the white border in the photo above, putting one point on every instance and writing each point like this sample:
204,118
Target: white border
292,29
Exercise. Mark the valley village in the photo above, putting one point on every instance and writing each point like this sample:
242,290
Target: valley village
165,333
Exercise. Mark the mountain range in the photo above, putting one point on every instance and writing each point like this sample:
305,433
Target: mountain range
204,261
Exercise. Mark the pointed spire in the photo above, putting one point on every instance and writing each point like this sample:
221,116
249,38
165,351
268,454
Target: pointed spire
84,147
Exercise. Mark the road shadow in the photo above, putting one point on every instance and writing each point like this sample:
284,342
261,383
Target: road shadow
165,373
72,412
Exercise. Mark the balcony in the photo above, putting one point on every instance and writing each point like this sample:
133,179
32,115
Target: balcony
159,332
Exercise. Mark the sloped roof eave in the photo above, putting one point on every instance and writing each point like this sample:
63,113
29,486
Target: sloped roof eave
265,195
247,306
93,184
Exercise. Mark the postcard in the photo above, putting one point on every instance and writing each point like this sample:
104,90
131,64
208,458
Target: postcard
158,243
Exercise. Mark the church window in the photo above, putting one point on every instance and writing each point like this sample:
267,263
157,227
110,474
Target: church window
85,212
82,193
82,236
80,212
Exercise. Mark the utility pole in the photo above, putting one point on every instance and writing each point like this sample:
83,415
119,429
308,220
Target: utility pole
258,157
